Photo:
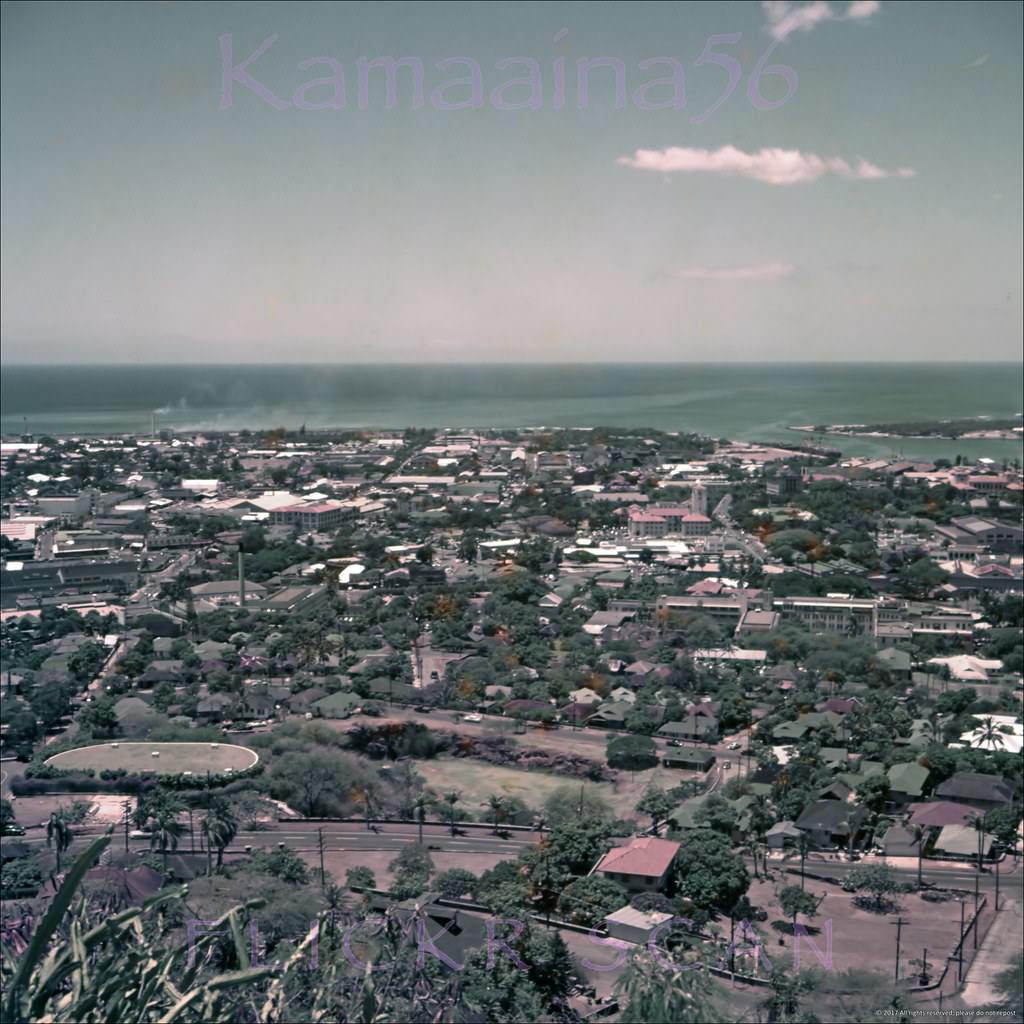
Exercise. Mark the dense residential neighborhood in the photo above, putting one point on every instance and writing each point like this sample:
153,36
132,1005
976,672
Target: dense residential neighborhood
628,686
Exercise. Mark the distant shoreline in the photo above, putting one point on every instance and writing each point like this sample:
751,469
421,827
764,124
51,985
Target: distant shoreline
982,428
742,402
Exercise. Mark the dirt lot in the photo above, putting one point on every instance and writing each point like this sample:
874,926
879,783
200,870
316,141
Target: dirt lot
860,939
36,810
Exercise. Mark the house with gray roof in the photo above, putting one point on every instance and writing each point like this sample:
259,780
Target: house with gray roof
907,782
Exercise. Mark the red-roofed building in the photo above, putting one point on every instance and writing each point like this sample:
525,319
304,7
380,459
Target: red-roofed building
940,813
840,705
708,588
644,524
667,521
18,531
988,483
642,865
322,515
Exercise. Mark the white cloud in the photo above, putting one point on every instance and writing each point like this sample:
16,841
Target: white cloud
773,166
784,18
754,272
863,9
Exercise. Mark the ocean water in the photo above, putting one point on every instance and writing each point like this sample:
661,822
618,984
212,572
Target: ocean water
741,402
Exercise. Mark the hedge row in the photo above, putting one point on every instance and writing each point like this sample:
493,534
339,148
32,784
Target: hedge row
133,784
116,780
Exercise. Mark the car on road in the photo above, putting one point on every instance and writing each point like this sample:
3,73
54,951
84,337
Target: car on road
734,745
12,828
727,765
422,709
139,833
473,718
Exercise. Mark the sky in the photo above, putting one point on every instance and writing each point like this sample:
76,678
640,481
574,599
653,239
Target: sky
857,196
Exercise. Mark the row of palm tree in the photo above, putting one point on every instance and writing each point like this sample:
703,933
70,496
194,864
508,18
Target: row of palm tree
160,813
59,834
423,801
418,806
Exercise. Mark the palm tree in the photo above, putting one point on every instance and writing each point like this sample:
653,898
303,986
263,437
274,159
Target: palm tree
752,849
220,826
787,991
761,848
919,837
58,834
979,826
678,992
419,806
803,846
497,807
337,901
451,799
166,832
989,735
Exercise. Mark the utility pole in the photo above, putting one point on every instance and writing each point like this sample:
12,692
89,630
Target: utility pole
320,843
547,890
997,881
899,922
960,948
976,894
127,804
191,830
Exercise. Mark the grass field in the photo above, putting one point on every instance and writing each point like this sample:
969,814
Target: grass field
477,781
198,758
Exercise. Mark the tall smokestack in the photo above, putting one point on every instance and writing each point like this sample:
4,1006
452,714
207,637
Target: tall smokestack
152,431
241,577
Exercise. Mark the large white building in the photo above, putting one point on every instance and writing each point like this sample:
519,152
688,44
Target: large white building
668,521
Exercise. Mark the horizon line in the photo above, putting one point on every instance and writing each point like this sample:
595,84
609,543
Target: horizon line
11,364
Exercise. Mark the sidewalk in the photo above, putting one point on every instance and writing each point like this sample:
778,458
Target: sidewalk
999,951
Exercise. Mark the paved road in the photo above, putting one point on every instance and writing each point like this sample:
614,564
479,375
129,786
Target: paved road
345,835
150,589
942,874
354,835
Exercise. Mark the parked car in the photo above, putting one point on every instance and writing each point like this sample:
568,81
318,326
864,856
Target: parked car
473,718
